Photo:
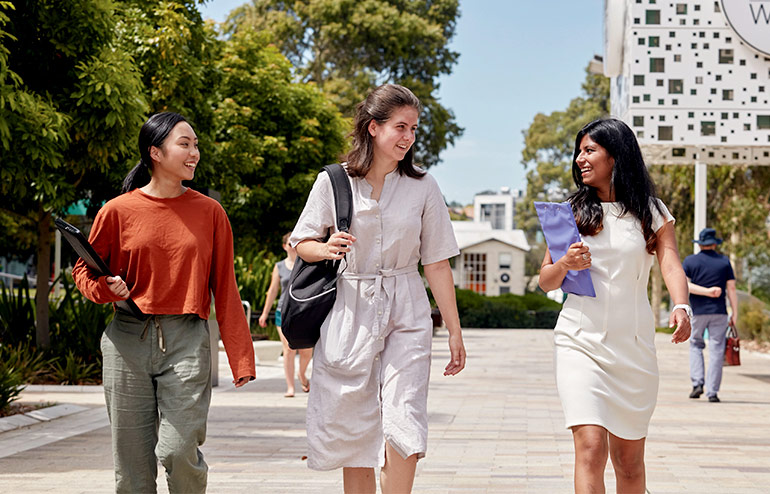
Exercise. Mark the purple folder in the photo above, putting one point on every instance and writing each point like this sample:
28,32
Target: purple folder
560,232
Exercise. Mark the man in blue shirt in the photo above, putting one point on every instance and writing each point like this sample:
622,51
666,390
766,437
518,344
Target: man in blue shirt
709,276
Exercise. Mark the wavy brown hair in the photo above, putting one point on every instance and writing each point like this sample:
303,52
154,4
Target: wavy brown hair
379,106
632,184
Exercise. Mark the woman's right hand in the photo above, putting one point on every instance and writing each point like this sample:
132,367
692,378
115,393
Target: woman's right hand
338,245
118,287
263,320
577,257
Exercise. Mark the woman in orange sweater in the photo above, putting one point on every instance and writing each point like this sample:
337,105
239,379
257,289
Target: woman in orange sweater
170,247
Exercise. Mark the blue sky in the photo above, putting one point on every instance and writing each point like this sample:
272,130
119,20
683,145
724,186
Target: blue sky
517,58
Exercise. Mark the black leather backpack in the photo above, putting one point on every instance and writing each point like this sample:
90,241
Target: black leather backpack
312,286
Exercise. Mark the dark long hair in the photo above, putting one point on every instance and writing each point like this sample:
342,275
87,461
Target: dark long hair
153,133
630,181
379,106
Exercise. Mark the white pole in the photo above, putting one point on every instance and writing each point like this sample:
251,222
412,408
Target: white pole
700,201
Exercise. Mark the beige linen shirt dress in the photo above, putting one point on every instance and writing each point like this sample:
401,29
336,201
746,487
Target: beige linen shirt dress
372,363
606,368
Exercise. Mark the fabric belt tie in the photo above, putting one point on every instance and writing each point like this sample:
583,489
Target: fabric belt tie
161,339
376,291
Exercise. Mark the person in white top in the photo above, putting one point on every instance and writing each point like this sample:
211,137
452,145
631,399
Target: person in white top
368,403
606,368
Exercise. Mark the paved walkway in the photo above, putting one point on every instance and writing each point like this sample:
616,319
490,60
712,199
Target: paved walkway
495,428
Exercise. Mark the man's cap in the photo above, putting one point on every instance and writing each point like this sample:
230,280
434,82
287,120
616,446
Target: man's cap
708,236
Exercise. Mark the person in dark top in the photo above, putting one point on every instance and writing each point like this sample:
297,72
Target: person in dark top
709,276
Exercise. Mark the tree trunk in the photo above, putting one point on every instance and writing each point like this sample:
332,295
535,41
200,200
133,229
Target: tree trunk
43,337
656,279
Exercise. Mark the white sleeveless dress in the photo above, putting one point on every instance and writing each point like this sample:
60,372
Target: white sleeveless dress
606,368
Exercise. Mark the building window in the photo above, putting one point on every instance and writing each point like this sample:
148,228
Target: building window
659,83
665,133
678,152
495,214
727,95
652,17
653,41
763,122
677,58
657,65
635,99
716,7
681,8
638,121
675,86
504,290
475,272
638,80
646,97
726,55
505,260
708,128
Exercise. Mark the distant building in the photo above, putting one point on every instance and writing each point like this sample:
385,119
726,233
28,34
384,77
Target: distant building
497,207
492,252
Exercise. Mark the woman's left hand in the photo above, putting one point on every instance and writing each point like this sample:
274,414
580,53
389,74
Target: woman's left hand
681,320
457,352
243,380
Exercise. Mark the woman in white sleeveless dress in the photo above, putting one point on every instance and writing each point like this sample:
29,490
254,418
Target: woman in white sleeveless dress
606,369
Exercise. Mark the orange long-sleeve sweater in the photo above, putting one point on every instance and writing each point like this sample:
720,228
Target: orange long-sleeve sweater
172,253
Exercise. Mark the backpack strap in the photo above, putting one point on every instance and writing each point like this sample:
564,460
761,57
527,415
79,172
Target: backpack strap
343,195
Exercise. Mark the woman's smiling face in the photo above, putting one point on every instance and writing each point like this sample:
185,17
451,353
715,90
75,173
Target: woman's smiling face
179,154
394,137
595,164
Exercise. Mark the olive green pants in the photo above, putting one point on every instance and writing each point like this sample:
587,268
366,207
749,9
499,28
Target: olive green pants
157,385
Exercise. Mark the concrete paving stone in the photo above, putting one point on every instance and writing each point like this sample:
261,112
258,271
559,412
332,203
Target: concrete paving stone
16,421
487,433
55,412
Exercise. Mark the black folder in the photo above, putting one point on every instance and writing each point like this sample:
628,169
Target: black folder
86,252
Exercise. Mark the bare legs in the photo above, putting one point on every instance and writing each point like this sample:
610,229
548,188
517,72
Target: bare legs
359,480
593,444
396,477
305,355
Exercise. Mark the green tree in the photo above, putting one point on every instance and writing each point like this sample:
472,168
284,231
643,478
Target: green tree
71,105
272,136
549,143
346,47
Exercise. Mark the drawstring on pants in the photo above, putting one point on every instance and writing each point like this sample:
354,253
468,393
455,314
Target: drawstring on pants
161,339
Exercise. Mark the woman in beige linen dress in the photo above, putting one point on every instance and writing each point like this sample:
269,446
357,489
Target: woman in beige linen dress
606,369
368,403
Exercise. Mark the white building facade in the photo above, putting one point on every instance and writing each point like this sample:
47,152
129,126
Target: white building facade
687,83
492,253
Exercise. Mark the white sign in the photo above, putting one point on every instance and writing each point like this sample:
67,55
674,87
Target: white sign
750,19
